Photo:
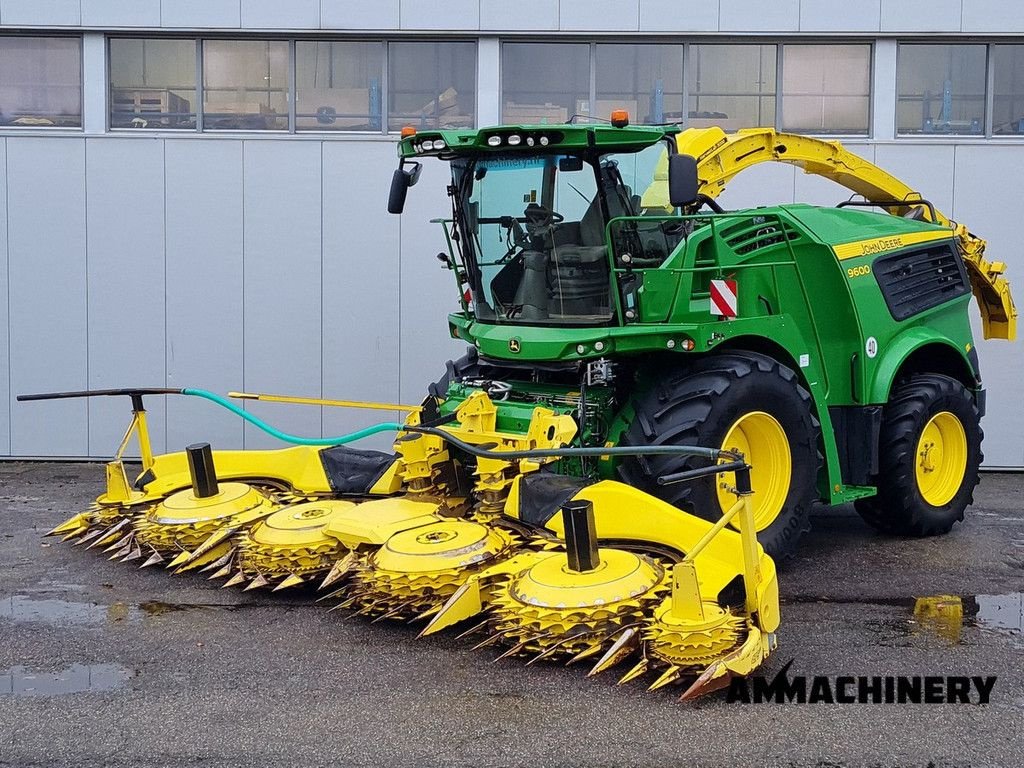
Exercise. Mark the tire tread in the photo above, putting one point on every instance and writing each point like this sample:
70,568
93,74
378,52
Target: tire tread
897,508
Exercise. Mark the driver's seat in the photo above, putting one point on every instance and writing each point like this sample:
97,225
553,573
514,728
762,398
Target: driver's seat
578,274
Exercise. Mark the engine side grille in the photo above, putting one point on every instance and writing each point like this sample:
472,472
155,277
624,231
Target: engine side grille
915,281
757,233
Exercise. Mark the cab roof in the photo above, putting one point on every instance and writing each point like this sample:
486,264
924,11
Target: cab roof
534,139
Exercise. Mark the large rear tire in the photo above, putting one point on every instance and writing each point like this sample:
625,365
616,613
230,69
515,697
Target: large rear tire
929,455
738,400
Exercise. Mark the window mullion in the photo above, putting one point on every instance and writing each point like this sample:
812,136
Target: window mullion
94,97
990,84
385,89
200,96
684,118
109,104
292,87
593,81
778,86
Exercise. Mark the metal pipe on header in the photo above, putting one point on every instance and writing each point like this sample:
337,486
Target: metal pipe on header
580,535
201,469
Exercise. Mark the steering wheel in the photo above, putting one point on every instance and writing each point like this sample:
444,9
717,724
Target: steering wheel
539,218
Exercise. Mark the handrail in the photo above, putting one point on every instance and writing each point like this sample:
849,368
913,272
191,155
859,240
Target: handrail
714,221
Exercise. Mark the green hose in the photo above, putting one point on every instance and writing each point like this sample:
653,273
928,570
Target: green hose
387,426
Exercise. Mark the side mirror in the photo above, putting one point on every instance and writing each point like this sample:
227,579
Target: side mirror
682,180
403,178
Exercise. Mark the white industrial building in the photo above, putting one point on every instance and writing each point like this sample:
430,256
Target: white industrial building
192,192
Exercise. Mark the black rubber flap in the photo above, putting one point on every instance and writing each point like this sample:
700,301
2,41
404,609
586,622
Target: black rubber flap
350,470
542,494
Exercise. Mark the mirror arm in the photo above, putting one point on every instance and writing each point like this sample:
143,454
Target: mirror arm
414,172
710,202
402,179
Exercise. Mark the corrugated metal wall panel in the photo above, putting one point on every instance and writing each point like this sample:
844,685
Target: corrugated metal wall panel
5,368
204,287
988,182
126,288
48,285
282,282
361,255
428,291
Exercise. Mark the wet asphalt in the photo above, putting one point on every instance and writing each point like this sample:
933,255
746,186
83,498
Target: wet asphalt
104,664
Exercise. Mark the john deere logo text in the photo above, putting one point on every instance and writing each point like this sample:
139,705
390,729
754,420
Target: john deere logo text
881,244
514,345
850,689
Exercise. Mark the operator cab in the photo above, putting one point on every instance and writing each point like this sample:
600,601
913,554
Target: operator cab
533,232
536,228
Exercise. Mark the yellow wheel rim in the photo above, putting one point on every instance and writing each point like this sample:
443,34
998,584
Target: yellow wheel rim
762,441
941,459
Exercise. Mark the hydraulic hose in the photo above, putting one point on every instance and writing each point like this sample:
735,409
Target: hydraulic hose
387,426
714,454
564,453
735,460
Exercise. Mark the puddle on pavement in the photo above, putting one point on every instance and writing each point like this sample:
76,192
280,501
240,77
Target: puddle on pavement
1004,612
51,611
21,608
77,678
944,616
947,615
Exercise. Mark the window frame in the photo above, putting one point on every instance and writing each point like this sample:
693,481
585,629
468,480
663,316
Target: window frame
683,46
775,93
591,62
687,43
987,100
382,44
780,88
292,40
201,86
51,34
109,90
386,86
990,94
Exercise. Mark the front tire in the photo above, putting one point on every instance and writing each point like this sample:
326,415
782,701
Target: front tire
743,401
929,455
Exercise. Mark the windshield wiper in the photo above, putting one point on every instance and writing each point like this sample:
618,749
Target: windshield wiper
586,199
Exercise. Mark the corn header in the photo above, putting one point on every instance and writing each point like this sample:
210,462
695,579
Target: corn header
463,524
656,392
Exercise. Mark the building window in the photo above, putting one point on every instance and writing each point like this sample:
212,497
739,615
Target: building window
1008,97
245,85
253,84
544,82
646,80
338,86
152,83
940,89
431,85
732,86
40,81
826,88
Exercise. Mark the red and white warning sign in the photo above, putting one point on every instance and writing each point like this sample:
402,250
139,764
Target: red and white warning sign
723,298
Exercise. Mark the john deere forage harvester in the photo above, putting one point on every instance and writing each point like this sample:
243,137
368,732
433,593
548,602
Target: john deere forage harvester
656,392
